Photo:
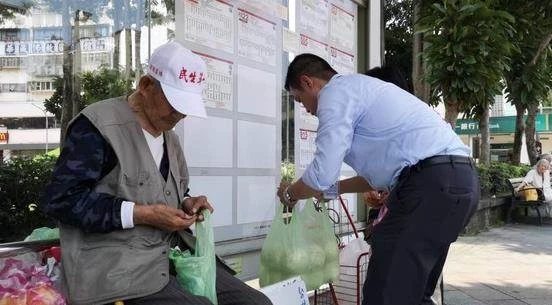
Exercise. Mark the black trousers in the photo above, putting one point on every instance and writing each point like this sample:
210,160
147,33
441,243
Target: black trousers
230,291
428,208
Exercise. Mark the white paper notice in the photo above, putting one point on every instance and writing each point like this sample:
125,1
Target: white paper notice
342,62
256,91
218,88
310,45
271,7
290,42
256,38
209,23
218,189
314,16
342,28
256,198
307,147
206,142
256,145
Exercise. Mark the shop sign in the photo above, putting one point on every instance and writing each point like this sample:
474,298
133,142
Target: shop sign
503,124
4,135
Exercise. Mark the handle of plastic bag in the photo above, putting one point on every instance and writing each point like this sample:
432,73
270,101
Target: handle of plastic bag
204,234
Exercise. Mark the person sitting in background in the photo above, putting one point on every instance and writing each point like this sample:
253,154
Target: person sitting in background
539,177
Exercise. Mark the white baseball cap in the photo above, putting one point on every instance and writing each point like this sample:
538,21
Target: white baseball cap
182,76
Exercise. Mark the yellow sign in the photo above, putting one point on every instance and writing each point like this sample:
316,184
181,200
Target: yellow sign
4,136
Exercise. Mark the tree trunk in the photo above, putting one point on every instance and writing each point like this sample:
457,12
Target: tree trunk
485,149
117,28
417,79
76,97
116,49
67,104
451,113
128,52
128,39
140,15
137,58
530,133
520,128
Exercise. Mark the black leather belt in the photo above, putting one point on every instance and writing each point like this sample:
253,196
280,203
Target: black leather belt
436,160
444,159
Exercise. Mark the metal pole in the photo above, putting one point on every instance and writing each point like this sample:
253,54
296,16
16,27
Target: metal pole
46,116
287,127
149,29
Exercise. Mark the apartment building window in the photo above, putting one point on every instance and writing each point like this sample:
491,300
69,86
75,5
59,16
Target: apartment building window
47,33
12,62
94,60
47,60
45,65
94,31
14,34
13,87
42,86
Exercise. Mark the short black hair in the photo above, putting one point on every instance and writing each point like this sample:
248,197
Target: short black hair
390,74
309,65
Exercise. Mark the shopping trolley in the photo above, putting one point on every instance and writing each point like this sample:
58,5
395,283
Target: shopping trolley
348,290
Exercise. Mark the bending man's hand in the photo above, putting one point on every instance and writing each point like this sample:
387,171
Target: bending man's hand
163,217
194,206
375,199
281,189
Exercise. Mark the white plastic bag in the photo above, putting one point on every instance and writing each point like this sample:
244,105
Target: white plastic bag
346,288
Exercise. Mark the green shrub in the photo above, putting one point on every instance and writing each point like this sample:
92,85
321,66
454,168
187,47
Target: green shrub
21,181
288,172
493,177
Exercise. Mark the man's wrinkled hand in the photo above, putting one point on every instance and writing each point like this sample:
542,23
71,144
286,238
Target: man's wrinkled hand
162,216
375,199
195,205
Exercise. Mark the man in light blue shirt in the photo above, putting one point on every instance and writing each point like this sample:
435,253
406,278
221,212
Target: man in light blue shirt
394,142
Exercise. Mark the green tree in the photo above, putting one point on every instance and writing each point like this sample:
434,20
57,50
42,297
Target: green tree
21,182
54,103
97,85
548,100
103,84
467,52
9,10
529,80
398,35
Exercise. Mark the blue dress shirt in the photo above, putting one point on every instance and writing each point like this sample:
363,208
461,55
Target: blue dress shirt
376,128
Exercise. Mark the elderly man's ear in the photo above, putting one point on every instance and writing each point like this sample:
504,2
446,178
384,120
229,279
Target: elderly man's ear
147,83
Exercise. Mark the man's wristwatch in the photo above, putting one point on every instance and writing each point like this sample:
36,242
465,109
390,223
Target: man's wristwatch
287,197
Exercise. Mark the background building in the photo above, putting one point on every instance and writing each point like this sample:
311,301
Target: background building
31,57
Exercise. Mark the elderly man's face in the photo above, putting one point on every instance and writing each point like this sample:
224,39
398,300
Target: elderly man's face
159,111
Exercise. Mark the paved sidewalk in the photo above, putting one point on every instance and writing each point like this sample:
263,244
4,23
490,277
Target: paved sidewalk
510,265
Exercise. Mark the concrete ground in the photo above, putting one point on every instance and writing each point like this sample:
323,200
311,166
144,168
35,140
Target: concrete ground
510,265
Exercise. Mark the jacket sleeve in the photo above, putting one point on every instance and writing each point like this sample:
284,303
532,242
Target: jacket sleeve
70,197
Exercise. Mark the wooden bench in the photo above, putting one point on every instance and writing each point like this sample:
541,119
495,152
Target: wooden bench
518,201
